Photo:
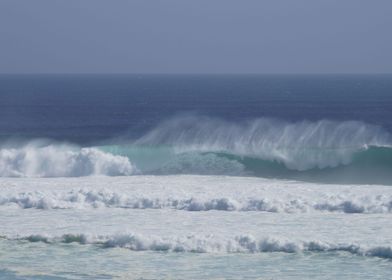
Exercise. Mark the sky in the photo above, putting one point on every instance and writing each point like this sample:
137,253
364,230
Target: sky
199,36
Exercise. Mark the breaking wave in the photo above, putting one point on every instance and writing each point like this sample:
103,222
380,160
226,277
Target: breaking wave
40,159
299,146
213,244
328,151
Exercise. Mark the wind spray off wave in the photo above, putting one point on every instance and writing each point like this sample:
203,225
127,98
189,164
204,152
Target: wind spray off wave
299,145
319,151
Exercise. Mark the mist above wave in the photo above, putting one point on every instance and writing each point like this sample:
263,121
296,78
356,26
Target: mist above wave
300,146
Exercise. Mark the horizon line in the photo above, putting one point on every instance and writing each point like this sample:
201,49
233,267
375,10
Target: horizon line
189,74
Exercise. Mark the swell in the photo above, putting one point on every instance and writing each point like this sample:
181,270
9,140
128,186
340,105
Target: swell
212,244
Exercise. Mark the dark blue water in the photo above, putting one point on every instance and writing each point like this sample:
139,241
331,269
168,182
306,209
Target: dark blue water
91,108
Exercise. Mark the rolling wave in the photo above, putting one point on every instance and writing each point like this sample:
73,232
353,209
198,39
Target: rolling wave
299,146
327,151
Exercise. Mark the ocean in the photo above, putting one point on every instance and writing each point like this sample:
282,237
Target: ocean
195,176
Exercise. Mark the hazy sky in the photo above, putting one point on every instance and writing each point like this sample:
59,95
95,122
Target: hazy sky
199,36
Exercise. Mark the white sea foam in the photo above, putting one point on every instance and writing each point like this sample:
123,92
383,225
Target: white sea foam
82,198
53,160
213,244
194,193
256,215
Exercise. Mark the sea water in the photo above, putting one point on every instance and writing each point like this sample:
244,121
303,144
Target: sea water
195,177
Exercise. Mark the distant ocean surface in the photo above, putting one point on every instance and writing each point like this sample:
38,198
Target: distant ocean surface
195,176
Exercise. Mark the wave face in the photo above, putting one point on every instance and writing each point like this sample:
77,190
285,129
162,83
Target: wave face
328,151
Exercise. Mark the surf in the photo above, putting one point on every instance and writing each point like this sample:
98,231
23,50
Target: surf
322,151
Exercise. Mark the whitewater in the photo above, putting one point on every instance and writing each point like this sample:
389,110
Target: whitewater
192,214
196,177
